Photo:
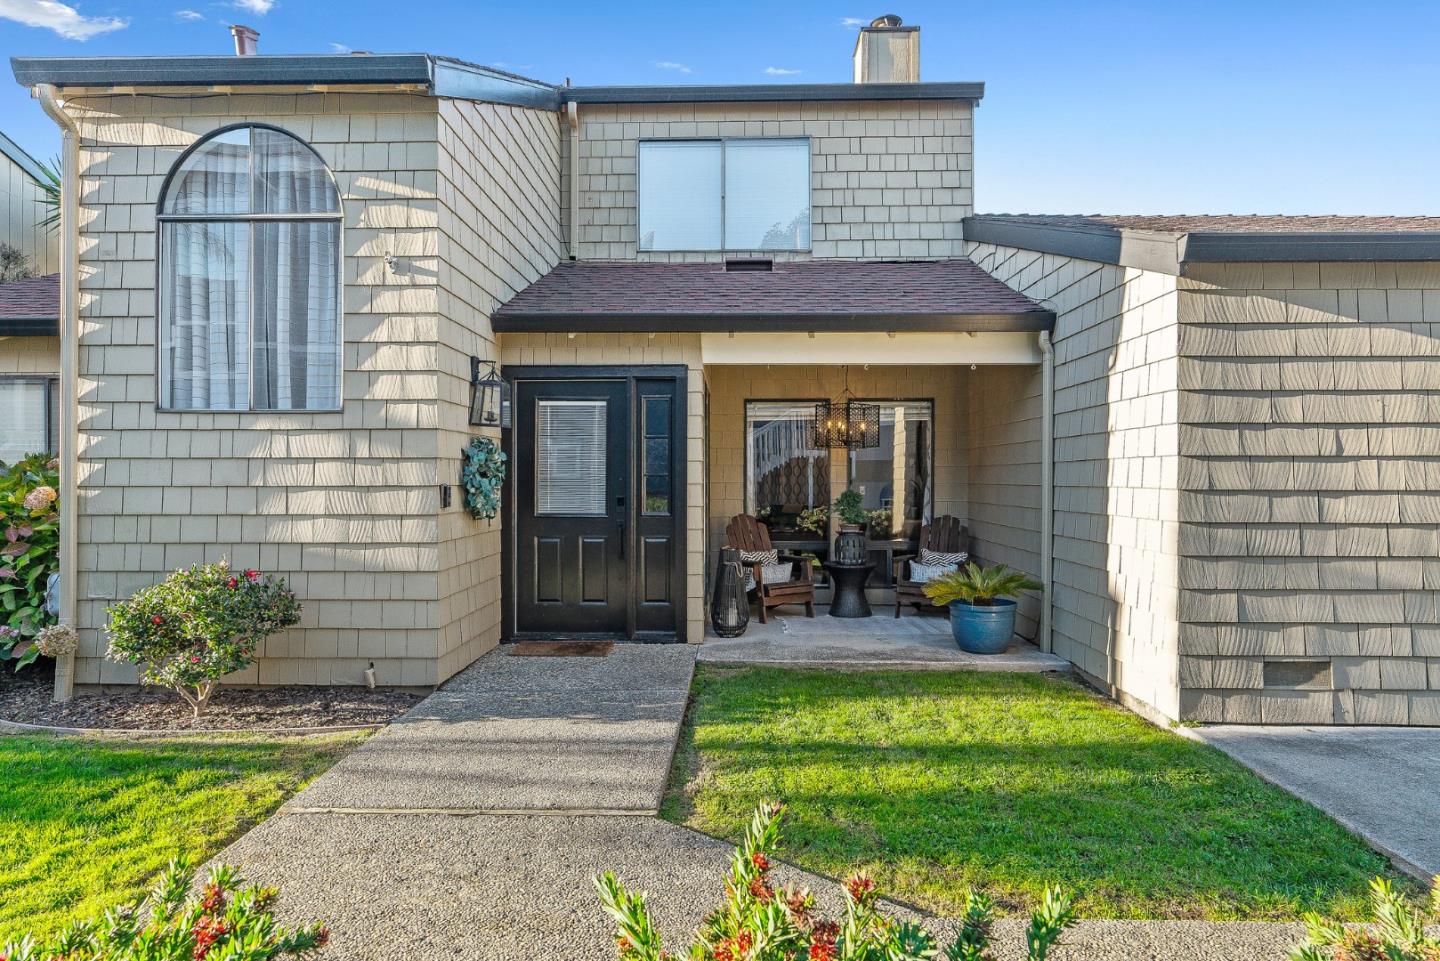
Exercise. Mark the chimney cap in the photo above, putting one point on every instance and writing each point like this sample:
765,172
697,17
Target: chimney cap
246,39
887,20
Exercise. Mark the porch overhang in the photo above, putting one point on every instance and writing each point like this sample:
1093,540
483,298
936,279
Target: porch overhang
30,307
813,296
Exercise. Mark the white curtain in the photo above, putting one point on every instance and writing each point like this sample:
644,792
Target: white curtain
252,306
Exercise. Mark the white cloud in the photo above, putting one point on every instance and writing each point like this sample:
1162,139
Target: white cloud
853,21
338,48
781,71
257,7
64,20
672,65
188,15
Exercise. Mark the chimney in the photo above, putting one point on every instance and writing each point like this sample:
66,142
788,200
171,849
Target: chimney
247,40
887,51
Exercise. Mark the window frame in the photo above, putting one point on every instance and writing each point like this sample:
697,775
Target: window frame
51,385
810,402
723,142
251,218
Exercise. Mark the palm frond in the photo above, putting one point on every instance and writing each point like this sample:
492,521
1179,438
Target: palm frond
974,584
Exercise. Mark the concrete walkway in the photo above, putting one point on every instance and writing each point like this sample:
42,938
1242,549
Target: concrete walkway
512,734
1383,783
880,642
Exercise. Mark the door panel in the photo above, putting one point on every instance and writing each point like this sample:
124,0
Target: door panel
659,516
572,506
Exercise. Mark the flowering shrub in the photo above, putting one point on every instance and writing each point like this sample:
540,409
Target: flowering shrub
29,554
198,625
760,922
1398,933
224,921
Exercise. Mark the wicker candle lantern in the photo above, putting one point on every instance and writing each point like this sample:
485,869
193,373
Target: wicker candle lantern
729,605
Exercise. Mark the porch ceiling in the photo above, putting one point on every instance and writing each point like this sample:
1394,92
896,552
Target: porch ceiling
798,296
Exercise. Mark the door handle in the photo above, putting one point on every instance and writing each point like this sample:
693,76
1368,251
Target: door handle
621,525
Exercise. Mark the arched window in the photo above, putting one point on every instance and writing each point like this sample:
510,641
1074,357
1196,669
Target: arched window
250,276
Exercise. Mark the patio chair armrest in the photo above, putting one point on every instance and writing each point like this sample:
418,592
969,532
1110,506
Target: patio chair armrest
902,567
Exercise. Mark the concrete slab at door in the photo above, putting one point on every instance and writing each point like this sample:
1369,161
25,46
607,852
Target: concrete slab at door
514,734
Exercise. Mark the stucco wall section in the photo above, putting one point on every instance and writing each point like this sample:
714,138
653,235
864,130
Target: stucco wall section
629,350
499,230
342,504
1310,492
1003,452
889,179
21,211
1116,518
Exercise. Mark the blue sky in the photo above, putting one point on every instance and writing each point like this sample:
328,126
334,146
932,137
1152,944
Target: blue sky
1108,107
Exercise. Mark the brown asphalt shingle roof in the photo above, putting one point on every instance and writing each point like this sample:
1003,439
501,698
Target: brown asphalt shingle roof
1229,223
812,289
34,297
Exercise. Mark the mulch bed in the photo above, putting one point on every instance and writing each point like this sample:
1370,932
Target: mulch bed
25,698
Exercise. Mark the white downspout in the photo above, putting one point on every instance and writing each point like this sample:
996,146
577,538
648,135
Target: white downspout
1047,488
69,386
572,116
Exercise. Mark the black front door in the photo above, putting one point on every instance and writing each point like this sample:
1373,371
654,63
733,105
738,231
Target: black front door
572,452
596,545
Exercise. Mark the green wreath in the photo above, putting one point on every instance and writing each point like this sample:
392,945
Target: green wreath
482,473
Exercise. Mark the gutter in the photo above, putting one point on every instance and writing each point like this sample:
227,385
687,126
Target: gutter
1047,490
69,382
572,115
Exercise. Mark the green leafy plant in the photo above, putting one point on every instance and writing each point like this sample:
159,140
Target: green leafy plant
50,187
760,922
1397,934
199,625
980,586
482,475
30,521
814,519
849,507
227,920
880,521
14,265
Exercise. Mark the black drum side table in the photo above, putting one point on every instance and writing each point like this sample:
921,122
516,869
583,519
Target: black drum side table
848,596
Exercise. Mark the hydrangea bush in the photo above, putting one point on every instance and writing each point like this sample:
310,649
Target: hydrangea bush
224,921
760,922
199,625
29,554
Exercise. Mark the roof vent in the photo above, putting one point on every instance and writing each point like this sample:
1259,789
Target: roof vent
888,20
742,265
247,40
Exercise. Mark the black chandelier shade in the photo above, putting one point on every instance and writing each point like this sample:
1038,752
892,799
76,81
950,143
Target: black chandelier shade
852,424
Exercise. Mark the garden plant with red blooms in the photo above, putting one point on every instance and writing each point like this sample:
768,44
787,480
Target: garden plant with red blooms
229,920
199,625
759,922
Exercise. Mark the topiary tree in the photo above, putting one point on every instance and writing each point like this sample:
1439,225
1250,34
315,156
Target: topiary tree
199,625
225,920
759,922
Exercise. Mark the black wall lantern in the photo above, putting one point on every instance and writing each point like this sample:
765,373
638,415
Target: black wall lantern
489,395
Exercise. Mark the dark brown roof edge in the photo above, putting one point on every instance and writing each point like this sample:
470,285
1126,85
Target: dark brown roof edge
29,326
548,322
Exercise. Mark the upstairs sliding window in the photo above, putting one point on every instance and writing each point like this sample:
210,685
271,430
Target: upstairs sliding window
724,194
250,276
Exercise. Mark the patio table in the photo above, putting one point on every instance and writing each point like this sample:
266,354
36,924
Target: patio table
848,598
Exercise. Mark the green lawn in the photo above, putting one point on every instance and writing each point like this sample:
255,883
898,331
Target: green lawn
86,822
936,781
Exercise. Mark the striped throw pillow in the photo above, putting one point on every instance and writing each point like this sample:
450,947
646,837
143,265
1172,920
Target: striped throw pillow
930,557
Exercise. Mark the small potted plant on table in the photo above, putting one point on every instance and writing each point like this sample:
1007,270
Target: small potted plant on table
982,604
850,547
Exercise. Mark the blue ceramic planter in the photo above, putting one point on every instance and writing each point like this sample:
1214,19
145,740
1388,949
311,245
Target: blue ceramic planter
983,629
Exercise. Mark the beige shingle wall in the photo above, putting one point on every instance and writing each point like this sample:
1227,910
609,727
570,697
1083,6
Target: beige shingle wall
499,192
1116,517
1310,492
889,179
343,504
1003,451
29,355
634,350
20,216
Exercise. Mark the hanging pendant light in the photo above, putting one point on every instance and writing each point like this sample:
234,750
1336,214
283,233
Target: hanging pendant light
847,422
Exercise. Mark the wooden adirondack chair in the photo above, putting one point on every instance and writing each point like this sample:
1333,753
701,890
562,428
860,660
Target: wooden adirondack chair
745,533
944,534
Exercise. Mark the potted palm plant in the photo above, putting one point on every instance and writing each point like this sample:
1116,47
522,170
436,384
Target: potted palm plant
982,604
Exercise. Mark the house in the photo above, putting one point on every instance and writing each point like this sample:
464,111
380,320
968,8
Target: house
1210,437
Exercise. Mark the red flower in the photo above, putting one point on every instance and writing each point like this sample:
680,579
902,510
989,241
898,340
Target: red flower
214,899
232,583
761,891
760,861
208,930
322,937
252,575
156,619
822,941
859,886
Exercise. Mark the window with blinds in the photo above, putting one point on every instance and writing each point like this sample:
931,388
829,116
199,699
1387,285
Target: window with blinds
740,194
570,458
28,409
